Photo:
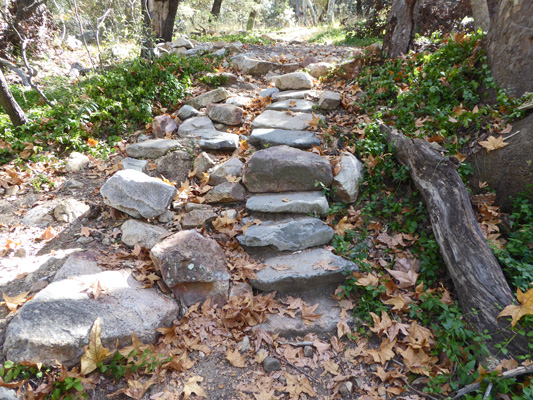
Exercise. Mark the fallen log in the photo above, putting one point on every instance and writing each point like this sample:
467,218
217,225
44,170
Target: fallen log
479,282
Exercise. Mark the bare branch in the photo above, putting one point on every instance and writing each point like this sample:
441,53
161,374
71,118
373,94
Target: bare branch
80,25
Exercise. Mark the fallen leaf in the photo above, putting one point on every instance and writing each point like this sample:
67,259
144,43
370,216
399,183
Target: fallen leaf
384,353
12,303
137,389
281,267
191,386
94,351
307,314
517,312
367,280
324,264
405,279
235,358
48,234
343,226
493,143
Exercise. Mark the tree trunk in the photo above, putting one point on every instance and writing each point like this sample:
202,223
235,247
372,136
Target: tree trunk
251,18
160,15
478,279
480,11
215,10
28,18
509,46
399,31
330,16
8,102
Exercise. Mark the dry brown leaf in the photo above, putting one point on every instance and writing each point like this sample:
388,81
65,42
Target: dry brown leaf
94,351
136,389
260,356
517,312
191,386
367,280
13,303
308,316
48,234
235,358
324,264
493,143
397,302
384,353
405,279
281,267
343,226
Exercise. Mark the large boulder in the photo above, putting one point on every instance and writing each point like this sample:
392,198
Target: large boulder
137,194
294,81
174,166
285,169
214,96
147,235
507,170
227,114
194,267
56,323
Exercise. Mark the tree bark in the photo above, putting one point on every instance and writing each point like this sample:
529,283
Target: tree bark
10,105
161,14
330,15
251,18
509,45
399,31
480,11
215,10
478,279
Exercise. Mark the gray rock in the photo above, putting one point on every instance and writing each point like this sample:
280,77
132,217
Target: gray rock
182,42
227,114
244,345
218,174
225,78
290,67
277,137
178,50
203,163
239,101
153,148
285,169
72,184
239,289
214,96
72,43
329,100
70,209
220,44
297,203
137,194
174,166
250,66
290,234
191,126
76,162
306,270
163,125
197,206
219,52
346,182
271,364
187,112
147,235
308,351
219,141
166,217
197,218
268,92
8,394
40,216
56,323
133,163
294,81
308,61
193,267
235,47
319,70
281,120
294,94
294,105
226,192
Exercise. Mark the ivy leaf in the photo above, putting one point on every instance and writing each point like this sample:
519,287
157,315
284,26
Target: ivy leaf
517,312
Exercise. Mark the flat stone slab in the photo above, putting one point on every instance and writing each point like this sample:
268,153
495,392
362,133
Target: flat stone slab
278,137
56,323
294,95
293,105
304,270
219,141
294,81
290,234
214,96
282,120
297,203
146,235
191,126
152,148
133,163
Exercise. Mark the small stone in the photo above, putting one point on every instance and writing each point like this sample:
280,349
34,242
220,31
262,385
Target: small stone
197,218
250,66
346,389
21,252
8,394
203,163
214,96
230,214
72,184
308,351
329,100
187,112
319,70
40,215
239,101
163,125
69,210
133,163
226,193
197,206
244,345
153,148
219,141
166,217
271,364
182,42
290,67
268,92
106,241
76,162
173,166
12,190
146,235
227,114
84,240
192,126
294,81
308,61
219,173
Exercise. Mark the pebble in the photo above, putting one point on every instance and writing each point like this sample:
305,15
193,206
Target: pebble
106,241
308,351
84,240
21,252
346,389
271,364
244,346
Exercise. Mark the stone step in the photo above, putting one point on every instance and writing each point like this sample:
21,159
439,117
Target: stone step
289,234
281,120
303,270
278,137
294,94
294,105
292,202
153,148
285,169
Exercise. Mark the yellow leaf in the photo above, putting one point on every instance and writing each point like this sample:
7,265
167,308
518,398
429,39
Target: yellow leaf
315,120
91,142
94,352
343,226
191,386
517,312
12,303
235,358
48,234
367,280
384,353
493,143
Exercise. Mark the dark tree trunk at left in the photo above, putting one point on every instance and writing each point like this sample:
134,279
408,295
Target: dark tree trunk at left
215,10
8,102
158,18
399,31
